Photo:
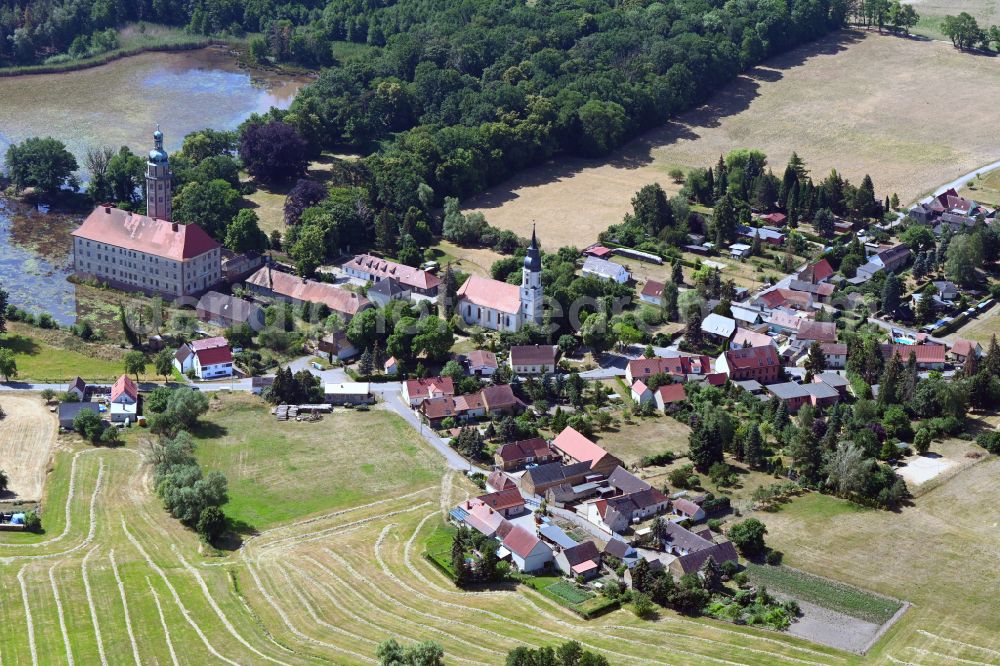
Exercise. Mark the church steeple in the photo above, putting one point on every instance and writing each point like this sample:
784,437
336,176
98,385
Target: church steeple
158,180
533,259
531,283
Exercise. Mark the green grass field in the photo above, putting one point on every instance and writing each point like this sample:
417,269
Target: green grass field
43,362
115,580
646,436
281,470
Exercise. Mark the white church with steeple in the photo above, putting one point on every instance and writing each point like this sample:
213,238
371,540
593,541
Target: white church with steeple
501,306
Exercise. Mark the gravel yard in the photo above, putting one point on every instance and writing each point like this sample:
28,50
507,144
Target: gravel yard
831,628
921,469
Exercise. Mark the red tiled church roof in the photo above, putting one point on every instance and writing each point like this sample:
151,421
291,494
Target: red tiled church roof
492,294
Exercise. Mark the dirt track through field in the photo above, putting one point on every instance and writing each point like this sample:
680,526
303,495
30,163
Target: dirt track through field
860,103
27,436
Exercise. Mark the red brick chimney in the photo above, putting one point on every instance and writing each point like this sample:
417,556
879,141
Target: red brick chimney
173,226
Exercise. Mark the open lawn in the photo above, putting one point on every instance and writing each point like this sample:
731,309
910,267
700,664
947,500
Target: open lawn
27,436
847,102
269,201
475,261
41,356
646,436
985,189
285,470
932,13
981,329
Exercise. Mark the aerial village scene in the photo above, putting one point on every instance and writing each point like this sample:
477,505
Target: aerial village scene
529,333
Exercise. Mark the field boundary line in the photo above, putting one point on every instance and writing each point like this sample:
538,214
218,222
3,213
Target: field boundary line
62,617
327,516
87,540
497,616
885,627
163,621
947,656
128,619
177,599
712,641
346,527
312,611
68,513
29,621
288,623
218,611
93,609
675,620
426,581
399,604
962,643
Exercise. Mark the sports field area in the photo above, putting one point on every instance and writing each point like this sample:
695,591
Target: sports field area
858,102
115,580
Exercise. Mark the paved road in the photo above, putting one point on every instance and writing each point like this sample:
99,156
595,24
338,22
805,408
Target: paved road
960,182
393,400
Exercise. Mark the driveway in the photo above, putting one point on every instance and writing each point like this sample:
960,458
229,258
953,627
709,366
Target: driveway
393,401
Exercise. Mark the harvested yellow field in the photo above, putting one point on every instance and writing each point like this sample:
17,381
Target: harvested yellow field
27,435
860,103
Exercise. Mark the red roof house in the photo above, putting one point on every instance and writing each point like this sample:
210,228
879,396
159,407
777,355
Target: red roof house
759,363
929,357
516,455
125,391
574,446
507,502
819,331
132,231
817,272
962,349
669,394
677,366
416,391
777,219
375,269
652,292
299,290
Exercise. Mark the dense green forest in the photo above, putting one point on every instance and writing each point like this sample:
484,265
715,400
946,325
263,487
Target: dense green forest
459,95
447,97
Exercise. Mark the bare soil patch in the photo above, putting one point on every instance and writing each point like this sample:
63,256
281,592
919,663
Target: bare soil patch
827,627
920,469
855,102
27,436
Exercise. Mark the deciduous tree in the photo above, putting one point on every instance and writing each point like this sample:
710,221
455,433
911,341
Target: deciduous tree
273,151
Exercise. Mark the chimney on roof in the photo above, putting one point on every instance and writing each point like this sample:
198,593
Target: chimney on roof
107,209
173,226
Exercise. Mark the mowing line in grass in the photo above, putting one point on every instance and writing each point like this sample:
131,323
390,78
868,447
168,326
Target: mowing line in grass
163,622
62,617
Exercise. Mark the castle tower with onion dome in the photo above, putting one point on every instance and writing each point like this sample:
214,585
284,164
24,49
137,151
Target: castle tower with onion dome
158,185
